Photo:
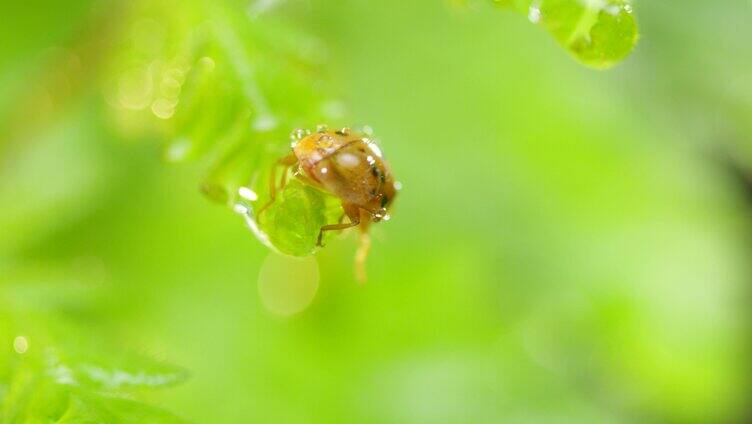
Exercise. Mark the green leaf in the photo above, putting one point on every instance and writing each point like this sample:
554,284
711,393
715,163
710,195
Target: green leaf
33,398
36,398
101,409
599,33
110,370
292,223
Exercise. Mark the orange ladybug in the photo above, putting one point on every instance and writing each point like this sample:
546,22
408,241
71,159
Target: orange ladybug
350,166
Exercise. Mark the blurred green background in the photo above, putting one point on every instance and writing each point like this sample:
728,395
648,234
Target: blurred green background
570,245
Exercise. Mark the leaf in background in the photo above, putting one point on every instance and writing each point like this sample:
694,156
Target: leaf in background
34,398
53,364
599,33
110,370
102,409
228,94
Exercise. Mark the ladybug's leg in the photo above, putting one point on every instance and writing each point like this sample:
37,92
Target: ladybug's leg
333,227
285,162
351,211
364,247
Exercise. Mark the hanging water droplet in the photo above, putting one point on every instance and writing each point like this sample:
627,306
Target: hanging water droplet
288,285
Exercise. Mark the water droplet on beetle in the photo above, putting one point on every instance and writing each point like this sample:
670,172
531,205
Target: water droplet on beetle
375,149
322,128
299,134
367,130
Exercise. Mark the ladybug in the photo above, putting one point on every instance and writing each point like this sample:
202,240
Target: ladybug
348,165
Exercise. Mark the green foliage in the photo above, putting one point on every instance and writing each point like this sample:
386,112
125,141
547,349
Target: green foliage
599,33
228,95
293,222
54,378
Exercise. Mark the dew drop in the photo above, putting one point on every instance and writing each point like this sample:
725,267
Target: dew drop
288,285
375,149
397,185
299,134
322,128
367,130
